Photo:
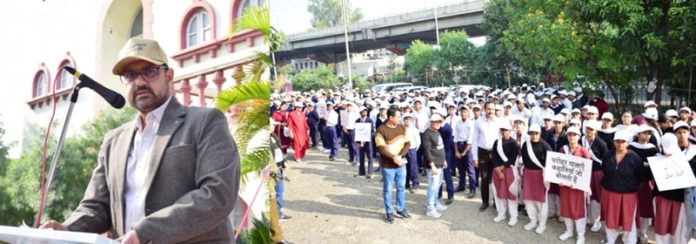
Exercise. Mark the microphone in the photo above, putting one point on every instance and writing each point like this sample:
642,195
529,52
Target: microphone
112,97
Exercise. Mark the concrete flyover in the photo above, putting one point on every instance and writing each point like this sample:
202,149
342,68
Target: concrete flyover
392,32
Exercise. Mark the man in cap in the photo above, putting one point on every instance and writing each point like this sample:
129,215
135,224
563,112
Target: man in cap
349,131
312,122
685,114
365,147
139,189
412,182
463,137
435,159
330,131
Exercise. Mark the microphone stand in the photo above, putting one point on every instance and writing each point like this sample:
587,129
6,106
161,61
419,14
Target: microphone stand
56,154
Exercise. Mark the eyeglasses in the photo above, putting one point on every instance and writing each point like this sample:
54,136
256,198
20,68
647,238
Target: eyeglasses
149,74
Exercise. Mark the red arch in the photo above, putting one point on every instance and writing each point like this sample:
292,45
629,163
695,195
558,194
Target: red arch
42,69
195,6
67,60
234,10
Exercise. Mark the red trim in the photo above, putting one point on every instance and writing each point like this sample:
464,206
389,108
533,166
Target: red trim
219,80
202,84
213,47
186,89
234,10
195,6
67,60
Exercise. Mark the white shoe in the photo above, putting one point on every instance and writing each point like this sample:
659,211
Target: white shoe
596,227
566,235
540,229
580,240
561,219
433,214
512,222
530,226
499,218
441,208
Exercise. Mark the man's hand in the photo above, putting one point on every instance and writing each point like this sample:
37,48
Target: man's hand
444,166
457,155
129,238
52,224
476,164
435,171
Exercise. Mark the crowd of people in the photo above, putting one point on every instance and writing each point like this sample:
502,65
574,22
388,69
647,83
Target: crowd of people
496,142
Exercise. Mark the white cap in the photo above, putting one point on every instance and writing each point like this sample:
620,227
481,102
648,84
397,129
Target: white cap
535,128
409,115
642,128
573,130
384,105
571,93
575,110
499,107
577,90
671,113
548,116
575,121
562,92
623,135
593,124
680,124
298,104
585,107
608,115
507,103
649,103
469,100
592,110
363,109
565,111
546,100
559,118
518,118
477,106
693,123
504,125
650,113
685,109
436,117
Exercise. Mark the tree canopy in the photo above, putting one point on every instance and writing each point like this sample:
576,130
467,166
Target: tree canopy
328,13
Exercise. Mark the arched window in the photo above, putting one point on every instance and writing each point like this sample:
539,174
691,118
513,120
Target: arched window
40,84
65,79
137,25
198,29
248,3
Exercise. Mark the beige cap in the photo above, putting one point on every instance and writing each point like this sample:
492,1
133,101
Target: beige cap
139,49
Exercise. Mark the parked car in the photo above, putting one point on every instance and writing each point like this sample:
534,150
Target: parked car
387,87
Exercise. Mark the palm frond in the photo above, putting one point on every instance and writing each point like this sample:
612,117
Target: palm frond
254,161
260,62
253,18
243,92
254,119
259,234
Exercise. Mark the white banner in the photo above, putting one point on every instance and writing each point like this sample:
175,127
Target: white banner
363,132
568,170
671,172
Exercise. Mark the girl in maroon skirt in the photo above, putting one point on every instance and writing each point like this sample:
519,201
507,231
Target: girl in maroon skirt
670,215
533,186
646,210
623,172
573,200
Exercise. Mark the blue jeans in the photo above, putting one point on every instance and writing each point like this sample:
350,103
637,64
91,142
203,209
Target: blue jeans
391,176
466,168
279,189
412,169
434,182
331,140
447,176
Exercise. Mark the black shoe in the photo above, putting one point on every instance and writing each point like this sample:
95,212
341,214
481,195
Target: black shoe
449,201
460,189
471,195
368,176
404,214
483,207
390,218
286,217
377,170
283,242
410,190
331,159
358,175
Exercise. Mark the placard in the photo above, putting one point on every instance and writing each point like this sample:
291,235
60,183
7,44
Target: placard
671,172
363,132
568,170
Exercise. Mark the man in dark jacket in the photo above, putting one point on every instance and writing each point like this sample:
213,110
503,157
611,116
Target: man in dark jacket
313,123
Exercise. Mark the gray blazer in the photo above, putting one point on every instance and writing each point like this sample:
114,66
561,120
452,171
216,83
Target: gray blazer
192,184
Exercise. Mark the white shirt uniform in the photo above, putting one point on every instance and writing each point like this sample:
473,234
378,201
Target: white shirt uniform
485,133
139,164
421,120
464,131
332,119
414,136
352,117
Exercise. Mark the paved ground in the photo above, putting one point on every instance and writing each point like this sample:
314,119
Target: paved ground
329,205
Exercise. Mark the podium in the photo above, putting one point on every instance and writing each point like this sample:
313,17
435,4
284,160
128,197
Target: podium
22,235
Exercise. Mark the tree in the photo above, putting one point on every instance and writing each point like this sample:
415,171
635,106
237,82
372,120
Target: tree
328,13
601,41
22,180
419,60
322,77
455,53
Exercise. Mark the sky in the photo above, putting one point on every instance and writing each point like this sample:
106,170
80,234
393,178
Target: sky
291,16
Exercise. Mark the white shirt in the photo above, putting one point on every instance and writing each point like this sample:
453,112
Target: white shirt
568,104
414,136
421,120
464,131
139,164
485,133
352,117
332,119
